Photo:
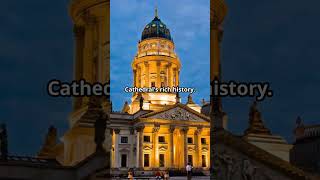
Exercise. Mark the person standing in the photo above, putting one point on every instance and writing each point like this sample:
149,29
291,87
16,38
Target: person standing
158,175
130,175
189,171
166,175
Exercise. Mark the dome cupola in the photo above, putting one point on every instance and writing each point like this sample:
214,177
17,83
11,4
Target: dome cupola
156,29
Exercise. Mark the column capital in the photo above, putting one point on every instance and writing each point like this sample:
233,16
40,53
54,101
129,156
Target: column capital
117,131
158,63
184,130
140,128
89,18
156,128
78,31
198,130
131,130
172,128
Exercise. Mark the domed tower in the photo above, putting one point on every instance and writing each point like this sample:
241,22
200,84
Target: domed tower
155,65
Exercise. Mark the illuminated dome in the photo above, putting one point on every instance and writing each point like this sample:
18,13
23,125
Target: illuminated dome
156,29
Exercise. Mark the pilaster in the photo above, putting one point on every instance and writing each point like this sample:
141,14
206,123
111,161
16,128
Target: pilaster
116,147
171,145
155,149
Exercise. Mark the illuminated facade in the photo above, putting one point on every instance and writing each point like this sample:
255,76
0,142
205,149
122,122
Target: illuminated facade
155,65
156,131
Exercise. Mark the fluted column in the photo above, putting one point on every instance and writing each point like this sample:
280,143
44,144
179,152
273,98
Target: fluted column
90,23
79,32
140,147
172,128
116,147
112,148
174,78
170,75
184,132
158,75
134,79
139,76
155,150
147,75
131,157
177,77
197,142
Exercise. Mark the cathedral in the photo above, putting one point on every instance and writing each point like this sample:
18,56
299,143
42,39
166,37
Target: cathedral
155,131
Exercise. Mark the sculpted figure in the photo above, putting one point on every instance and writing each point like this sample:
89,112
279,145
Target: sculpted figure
248,170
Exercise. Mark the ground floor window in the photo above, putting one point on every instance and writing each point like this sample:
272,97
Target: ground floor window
161,160
203,141
204,161
123,160
190,159
146,138
146,160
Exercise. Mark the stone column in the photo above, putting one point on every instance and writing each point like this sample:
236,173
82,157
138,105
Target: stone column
184,132
79,43
170,75
112,148
197,142
146,75
90,23
135,79
178,75
174,79
172,128
79,32
116,148
158,75
131,158
140,147
155,150
139,76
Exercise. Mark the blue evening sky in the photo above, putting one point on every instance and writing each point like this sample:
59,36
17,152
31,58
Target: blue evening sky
190,32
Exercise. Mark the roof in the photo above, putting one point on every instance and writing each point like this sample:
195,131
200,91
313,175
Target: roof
30,161
156,29
174,106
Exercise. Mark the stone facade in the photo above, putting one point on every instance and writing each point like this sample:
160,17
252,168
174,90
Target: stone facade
306,148
165,140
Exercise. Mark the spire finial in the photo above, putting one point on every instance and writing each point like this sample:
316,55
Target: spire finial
156,11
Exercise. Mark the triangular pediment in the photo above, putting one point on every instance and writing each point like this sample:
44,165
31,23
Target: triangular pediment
178,112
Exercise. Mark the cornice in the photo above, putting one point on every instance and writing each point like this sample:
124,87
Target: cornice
78,6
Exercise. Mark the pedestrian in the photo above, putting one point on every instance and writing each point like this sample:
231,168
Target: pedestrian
166,175
158,175
189,171
130,175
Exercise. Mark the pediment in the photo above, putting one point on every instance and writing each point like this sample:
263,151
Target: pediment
178,112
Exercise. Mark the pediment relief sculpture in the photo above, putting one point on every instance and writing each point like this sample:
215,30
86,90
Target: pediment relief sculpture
177,114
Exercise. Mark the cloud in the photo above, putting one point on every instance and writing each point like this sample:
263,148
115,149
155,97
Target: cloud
189,30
